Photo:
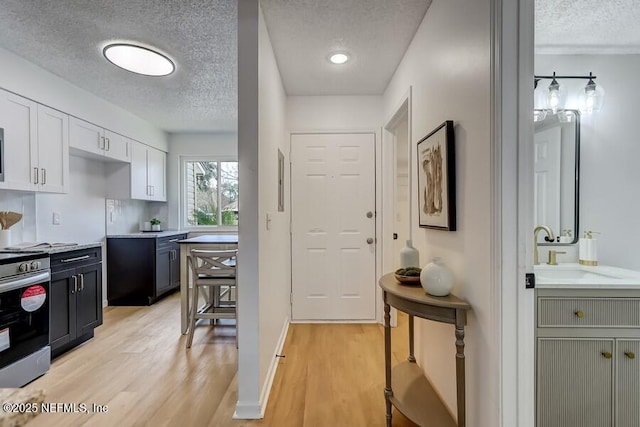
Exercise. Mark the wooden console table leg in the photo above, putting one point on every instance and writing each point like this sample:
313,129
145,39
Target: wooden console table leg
388,392
411,357
461,320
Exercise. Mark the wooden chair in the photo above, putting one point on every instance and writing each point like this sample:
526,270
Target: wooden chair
215,272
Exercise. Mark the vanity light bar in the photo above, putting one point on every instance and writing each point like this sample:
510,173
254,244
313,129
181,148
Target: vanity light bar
537,78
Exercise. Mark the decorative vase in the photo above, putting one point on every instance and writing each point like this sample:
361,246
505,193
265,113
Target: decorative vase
436,278
409,256
155,227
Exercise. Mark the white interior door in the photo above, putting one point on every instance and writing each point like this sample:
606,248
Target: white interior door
547,178
333,235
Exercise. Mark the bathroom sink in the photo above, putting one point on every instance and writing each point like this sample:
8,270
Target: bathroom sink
576,275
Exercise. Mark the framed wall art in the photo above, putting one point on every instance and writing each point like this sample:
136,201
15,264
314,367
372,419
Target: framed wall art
437,179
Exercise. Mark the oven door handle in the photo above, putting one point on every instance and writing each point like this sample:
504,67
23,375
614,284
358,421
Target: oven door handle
24,281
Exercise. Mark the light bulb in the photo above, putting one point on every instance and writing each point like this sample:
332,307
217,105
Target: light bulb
591,99
556,96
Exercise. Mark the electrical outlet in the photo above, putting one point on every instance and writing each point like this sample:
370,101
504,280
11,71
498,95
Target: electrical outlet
56,218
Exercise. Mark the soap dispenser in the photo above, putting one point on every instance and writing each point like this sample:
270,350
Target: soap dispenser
588,249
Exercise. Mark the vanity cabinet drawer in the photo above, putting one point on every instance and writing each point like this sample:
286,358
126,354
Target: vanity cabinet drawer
589,312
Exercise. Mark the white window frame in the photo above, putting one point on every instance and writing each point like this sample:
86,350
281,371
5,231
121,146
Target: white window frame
184,215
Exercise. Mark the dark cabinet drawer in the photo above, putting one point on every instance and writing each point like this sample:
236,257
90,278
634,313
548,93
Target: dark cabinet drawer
72,259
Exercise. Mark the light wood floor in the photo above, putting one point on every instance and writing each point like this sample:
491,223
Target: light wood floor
137,365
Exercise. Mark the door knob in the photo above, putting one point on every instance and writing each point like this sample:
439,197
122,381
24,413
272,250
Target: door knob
369,214
370,240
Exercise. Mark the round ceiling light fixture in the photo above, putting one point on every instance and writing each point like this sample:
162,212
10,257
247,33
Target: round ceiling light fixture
339,57
138,59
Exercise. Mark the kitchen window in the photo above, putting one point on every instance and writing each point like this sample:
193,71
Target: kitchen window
210,193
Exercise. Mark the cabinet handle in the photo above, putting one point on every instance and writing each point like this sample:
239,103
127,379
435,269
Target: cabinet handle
35,175
78,258
75,284
81,281
108,145
579,314
173,240
607,355
630,354
44,176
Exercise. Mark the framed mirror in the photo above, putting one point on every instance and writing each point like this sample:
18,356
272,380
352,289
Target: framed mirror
557,174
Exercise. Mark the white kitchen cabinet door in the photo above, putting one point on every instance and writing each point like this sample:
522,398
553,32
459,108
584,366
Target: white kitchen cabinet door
86,136
18,117
53,151
156,165
139,183
116,146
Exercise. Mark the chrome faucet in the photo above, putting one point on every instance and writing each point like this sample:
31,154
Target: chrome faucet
536,230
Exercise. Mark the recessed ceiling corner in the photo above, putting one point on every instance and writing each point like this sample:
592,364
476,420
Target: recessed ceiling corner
138,59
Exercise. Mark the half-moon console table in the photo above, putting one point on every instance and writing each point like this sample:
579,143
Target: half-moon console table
406,387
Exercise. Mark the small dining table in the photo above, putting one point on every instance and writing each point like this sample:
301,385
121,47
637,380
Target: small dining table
204,242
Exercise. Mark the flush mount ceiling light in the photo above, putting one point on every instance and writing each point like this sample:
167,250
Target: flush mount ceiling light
339,57
138,59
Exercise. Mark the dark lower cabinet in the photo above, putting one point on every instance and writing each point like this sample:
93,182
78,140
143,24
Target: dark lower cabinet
141,270
76,298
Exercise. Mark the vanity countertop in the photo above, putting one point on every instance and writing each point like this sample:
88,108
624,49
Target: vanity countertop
577,276
147,234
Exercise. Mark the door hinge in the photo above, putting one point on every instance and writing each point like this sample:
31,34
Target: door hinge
529,280
290,298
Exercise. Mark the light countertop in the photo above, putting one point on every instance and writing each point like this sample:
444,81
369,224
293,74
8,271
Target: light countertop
58,249
577,276
146,234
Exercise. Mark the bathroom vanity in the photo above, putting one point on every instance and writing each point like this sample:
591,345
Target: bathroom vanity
588,346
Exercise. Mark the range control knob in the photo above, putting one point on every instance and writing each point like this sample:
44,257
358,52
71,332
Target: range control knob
34,265
23,268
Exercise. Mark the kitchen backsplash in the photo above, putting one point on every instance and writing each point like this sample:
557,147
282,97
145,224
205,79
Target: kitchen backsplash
24,203
127,216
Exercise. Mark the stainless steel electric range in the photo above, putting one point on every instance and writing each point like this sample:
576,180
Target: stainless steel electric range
24,317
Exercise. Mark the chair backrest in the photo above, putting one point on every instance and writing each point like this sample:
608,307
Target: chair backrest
213,264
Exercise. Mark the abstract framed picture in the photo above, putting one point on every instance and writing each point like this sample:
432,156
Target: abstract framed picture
437,179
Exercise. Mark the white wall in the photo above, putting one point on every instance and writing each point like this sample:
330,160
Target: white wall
249,385
334,113
223,145
275,252
448,66
29,80
610,149
82,213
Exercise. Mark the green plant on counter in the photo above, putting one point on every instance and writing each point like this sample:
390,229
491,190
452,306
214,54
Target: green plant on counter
155,221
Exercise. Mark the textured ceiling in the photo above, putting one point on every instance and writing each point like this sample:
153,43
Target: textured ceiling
588,26
66,37
376,33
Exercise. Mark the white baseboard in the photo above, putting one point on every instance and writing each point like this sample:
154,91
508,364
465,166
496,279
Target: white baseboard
256,410
273,367
334,321
247,411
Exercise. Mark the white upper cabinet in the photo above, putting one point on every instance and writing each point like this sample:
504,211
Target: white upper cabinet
148,173
96,141
18,118
156,174
36,147
53,151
